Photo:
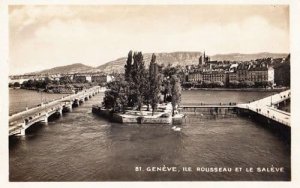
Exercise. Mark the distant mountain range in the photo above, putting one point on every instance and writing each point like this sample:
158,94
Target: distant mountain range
68,69
246,57
173,58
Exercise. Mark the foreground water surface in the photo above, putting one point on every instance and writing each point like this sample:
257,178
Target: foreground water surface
81,146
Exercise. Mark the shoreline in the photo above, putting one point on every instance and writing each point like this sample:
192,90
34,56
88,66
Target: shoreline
237,89
138,117
203,89
49,92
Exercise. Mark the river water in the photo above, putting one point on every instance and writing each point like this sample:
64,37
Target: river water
19,99
81,146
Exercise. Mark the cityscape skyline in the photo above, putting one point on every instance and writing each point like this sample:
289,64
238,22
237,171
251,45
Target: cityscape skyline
94,35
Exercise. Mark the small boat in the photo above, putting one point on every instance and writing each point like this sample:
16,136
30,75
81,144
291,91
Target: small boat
176,128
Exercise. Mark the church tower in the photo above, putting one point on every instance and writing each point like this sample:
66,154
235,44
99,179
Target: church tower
200,60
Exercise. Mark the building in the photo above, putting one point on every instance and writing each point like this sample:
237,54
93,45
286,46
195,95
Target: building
82,78
254,71
55,77
79,78
271,74
67,89
214,76
210,76
20,81
203,59
242,72
282,75
195,76
110,78
233,67
99,78
66,79
232,76
260,73
88,78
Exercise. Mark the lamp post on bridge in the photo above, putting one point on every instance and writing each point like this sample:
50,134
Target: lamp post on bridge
41,96
271,100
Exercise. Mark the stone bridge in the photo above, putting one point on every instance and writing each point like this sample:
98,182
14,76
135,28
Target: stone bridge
18,123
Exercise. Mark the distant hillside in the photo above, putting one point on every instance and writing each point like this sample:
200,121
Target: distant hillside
245,57
185,58
174,58
73,68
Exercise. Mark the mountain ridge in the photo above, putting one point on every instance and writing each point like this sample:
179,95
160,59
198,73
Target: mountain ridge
72,68
174,58
187,58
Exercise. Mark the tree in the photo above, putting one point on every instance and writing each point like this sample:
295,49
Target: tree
128,66
155,81
55,82
109,99
42,83
266,84
176,93
263,84
197,84
166,88
247,84
187,84
69,86
169,71
16,84
116,96
147,87
122,99
206,83
234,84
218,84
65,80
139,80
24,84
31,84
258,84
47,81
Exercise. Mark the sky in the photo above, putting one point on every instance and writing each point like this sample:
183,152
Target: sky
42,37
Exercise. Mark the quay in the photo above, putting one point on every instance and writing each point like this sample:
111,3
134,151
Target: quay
264,110
209,109
267,108
19,122
163,115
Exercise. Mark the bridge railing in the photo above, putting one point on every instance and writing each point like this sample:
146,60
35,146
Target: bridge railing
285,122
209,104
280,111
276,98
56,100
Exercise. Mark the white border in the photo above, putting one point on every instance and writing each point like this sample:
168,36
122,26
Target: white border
295,64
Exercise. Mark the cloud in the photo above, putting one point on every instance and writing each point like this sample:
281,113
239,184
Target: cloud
44,37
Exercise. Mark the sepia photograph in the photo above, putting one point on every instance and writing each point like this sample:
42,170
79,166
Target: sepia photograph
149,92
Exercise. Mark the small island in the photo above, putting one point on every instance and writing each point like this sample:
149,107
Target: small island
141,95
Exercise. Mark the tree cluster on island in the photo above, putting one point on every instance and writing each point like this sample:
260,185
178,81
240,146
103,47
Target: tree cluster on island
47,84
141,86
